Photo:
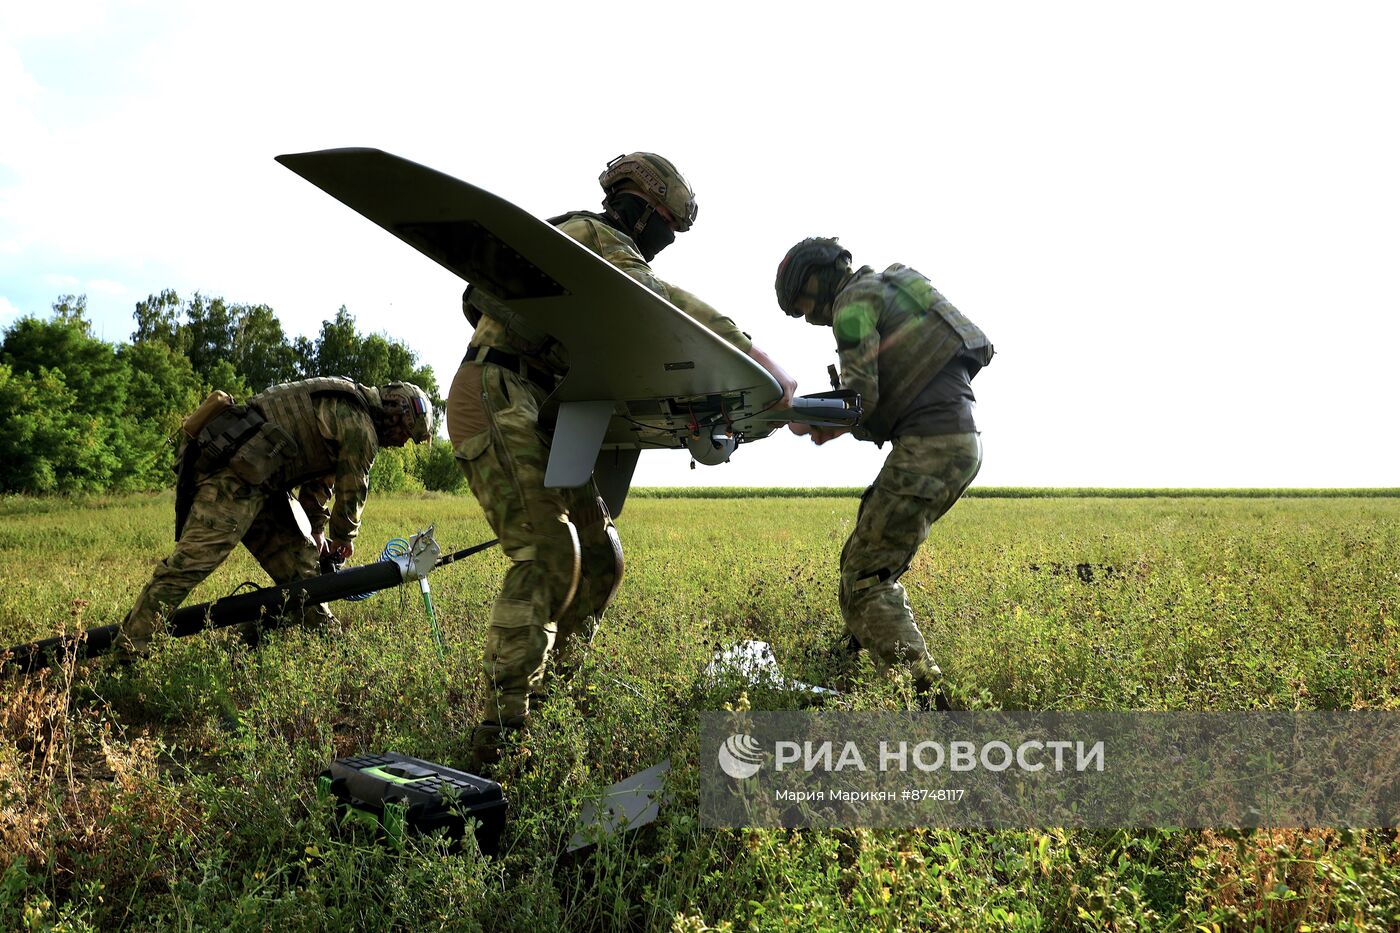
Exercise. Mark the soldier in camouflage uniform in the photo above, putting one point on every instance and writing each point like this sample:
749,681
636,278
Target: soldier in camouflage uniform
319,436
566,558
912,357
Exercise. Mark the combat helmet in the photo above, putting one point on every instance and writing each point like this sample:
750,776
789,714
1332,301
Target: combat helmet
412,404
657,180
823,257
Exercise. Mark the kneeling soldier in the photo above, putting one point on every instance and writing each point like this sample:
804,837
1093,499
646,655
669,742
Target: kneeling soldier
236,472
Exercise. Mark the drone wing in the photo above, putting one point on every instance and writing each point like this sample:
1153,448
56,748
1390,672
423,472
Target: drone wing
642,373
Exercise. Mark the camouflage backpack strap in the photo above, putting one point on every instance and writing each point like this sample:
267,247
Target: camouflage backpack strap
519,332
469,310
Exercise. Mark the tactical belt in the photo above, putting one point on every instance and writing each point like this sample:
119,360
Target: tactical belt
540,377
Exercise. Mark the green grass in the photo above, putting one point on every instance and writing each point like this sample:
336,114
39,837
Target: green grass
1012,492
126,799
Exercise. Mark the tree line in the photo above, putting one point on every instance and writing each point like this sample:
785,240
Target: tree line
81,415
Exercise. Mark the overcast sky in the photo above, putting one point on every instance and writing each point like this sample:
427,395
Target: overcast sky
1179,223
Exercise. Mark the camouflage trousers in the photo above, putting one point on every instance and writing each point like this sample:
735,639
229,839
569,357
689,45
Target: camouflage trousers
921,479
226,510
566,560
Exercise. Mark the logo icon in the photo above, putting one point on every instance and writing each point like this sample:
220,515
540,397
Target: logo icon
740,756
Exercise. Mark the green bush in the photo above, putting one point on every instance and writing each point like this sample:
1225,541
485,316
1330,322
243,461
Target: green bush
80,415
440,470
395,470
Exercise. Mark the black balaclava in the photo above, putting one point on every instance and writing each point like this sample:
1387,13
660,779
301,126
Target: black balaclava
629,209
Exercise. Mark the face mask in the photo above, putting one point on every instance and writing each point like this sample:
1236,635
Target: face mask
821,317
655,236
628,208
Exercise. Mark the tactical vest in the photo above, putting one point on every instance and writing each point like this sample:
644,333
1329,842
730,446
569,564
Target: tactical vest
521,334
920,333
291,407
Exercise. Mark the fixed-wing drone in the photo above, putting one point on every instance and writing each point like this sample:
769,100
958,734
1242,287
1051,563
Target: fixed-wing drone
643,374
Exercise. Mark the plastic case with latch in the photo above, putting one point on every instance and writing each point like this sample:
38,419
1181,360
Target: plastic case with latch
400,794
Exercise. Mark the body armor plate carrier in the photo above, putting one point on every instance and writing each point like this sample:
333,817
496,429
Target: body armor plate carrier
920,333
290,408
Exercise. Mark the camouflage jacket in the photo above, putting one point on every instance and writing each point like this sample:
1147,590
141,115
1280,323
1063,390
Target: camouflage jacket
315,497
618,249
349,434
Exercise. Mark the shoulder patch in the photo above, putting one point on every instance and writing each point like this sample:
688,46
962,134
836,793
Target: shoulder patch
853,323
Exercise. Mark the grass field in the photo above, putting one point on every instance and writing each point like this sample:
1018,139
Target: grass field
130,796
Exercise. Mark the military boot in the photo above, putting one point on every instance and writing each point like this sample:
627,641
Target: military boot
250,633
490,740
315,619
928,687
135,633
128,650
321,619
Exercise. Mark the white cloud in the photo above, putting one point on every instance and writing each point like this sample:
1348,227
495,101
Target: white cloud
53,18
19,98
1164,221
60,281
107,288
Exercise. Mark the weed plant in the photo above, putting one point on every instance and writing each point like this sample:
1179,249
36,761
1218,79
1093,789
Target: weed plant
178,792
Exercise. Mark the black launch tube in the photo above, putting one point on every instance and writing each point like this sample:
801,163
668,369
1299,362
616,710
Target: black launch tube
271,601
466,552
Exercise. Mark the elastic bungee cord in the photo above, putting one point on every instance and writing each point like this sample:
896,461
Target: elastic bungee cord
394,549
